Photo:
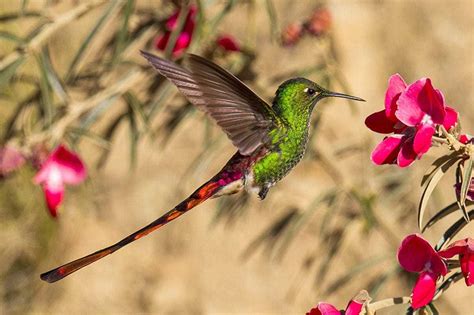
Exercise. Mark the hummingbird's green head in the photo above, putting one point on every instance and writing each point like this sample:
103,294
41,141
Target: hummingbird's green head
298,96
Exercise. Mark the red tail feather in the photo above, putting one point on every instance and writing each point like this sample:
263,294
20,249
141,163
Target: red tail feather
201,194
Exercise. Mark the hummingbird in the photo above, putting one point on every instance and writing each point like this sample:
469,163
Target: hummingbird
270,140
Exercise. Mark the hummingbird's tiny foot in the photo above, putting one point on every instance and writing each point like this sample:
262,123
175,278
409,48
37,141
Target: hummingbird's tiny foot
263,192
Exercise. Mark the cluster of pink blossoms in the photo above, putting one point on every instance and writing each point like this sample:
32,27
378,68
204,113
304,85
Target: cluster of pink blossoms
411,115
60,167
226,41
417,255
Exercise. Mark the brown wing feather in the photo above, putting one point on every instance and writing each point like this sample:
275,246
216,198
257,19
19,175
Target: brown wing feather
244,116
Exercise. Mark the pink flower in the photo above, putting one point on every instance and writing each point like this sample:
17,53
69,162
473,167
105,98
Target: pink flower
465,249
320,22
411,113
228,43
292,34
184,38
61,167
422,106
10,160
415,254
353,308
465,139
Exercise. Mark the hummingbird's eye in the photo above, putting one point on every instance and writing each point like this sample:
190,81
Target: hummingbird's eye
309,91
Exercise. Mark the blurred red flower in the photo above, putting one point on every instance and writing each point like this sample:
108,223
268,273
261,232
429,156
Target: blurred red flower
184,38
320,21
353,308
465,249
228,43
415,254
412,114
292,34
10,160
60,168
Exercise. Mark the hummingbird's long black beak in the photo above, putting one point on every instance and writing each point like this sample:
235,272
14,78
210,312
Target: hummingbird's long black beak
335,94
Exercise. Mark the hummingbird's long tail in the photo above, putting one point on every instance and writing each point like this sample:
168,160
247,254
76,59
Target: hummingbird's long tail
203,193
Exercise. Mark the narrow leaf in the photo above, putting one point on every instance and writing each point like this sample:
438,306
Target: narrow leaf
46,100
455,277
452,231
52,76
11,37
108,11
122,35
9,71
441,214
466,183
431,183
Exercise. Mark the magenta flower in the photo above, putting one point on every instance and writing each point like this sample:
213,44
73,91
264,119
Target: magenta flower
465,249
60,168
415,254
412,114
184,38
10,160
465,139
353,308
228,43
422,106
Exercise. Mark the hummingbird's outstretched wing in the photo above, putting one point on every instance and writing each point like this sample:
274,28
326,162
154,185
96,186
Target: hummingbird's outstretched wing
242,114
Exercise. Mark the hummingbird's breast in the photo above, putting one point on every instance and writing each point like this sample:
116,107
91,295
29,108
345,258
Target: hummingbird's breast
279,160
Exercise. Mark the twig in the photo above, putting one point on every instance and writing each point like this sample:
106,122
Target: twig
35,44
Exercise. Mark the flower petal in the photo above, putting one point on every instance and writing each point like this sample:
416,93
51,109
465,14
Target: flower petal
407,154
422,141
70,165
431,102
386,151
327,309
465,138
228,43
10,160
467,266
379,122
54,196
409,109
424,290
451,118
396,85
355,305
414,253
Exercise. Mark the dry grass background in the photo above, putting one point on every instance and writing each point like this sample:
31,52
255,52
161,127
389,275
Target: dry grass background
194,266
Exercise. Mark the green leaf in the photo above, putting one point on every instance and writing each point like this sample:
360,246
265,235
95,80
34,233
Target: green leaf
46,99
271,12
93,115
78,133
453,230
137,108
466,182
441,167
9,71
108,11
134,136
437,164
11,37
122,36
52,76
441,214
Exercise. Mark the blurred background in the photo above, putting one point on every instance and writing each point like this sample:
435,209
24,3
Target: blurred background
326,231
